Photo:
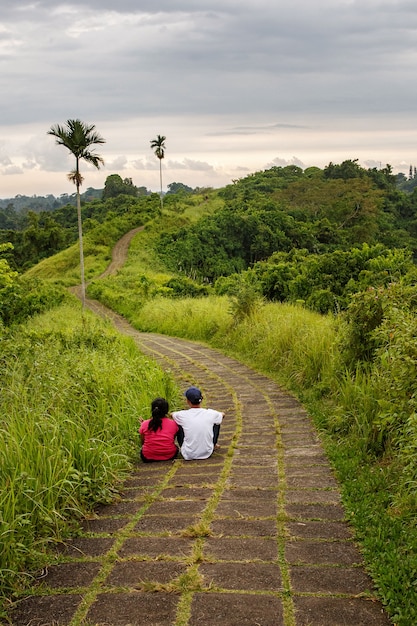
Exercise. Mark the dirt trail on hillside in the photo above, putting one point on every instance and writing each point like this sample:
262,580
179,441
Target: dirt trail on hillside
254,536
119,253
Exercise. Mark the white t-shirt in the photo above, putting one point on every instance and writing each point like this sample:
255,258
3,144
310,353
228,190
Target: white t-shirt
197,424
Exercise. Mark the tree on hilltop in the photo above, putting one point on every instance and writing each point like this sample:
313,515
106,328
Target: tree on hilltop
158,146
78,137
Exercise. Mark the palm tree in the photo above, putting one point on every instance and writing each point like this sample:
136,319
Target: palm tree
78,137
158,145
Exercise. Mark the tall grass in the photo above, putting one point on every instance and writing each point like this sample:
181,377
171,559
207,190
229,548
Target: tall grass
72,394
196,318
296,346
64,266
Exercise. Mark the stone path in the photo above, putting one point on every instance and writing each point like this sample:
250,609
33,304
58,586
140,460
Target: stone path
253,536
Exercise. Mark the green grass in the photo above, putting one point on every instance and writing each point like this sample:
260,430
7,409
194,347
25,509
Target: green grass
73,393
65,266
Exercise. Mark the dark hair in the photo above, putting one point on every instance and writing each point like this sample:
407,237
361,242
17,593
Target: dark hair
159,409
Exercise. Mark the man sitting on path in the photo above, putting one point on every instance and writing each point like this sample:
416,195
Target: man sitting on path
200,427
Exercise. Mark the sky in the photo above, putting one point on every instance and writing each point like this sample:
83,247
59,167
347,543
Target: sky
235,86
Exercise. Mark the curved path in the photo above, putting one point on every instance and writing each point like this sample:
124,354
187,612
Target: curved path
253,536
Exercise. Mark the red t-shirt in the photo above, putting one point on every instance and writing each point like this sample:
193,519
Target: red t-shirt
159,445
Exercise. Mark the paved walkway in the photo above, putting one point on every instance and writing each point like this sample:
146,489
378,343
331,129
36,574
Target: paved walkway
253,536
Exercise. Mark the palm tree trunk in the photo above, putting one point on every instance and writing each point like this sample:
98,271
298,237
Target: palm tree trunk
80,239
160,181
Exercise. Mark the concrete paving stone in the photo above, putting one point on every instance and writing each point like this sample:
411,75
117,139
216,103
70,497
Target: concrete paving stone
105,525
314,480
320,530
335,580
254,460
134,573
313,496
305,470
305,464
320,511
311,611
296,420
254,447
265,417
70,575
247,508
249,466
292,425
242,549
190,475
255,402
121,508
133,609
311,452
253,429
176,507
134,493
244,528
289,404
148,469
246,577
163,523
150,481
254,493
251,481
156,546
304,457
194,480
283,399
85,546
209,466
215,609
322,552
295,440
266,441
59,609
187,493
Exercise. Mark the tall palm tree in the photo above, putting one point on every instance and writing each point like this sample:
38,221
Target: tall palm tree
158,146
78,137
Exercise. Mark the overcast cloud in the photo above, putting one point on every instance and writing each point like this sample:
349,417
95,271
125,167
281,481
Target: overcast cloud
235,86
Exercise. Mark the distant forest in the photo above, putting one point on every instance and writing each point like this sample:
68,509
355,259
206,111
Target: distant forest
278,211
22,204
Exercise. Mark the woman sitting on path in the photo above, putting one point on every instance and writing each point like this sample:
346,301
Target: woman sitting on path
157,434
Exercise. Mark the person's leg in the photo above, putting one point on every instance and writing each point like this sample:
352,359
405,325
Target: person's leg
216,432
175,455
180,436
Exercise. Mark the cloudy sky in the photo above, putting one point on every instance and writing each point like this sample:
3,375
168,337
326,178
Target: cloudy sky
236,86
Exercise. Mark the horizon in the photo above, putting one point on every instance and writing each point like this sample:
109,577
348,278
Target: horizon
404,169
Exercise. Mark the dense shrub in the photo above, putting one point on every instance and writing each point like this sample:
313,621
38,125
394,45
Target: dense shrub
182,287
24,297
